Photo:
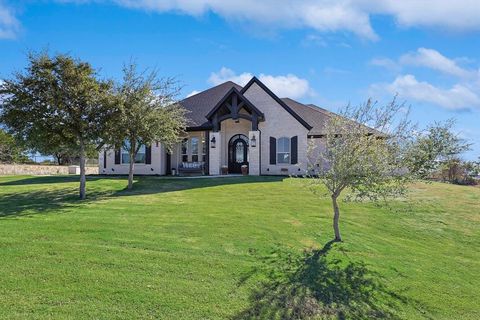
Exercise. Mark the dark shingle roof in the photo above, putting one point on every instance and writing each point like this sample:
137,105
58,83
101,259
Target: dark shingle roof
315,116
200,104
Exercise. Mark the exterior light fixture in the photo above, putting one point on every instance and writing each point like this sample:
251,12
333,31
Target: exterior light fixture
253,141
212,142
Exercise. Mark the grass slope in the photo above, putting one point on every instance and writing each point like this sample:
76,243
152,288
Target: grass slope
233,248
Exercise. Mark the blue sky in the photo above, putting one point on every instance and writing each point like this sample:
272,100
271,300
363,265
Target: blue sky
325,52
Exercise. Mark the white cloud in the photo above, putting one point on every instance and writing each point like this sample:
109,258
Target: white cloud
435,60
9,25
283,85
385,63
194,92
325,15
457,97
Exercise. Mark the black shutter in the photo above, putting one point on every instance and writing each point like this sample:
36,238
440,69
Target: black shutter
117,156
273,150
104,159
294,150
148,154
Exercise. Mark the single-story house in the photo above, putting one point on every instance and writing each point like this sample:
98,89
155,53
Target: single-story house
229,127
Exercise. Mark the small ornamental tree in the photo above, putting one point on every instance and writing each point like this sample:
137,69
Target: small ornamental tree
57,103
363,151
148,113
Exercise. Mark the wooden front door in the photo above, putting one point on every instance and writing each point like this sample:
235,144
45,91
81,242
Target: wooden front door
237,153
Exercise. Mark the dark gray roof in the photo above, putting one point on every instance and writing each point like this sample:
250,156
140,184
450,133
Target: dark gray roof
313,115
200,104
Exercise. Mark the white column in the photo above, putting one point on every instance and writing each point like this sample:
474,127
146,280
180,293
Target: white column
254,153
215,156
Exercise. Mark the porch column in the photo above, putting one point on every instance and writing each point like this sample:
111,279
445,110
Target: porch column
254,153
215,153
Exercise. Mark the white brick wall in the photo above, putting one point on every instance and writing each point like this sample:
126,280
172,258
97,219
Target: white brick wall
215,154
157,166
278,123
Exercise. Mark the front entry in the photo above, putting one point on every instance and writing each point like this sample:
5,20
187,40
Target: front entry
237,153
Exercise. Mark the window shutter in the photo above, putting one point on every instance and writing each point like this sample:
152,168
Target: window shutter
148,154
104,159
117,156
294,150
273,150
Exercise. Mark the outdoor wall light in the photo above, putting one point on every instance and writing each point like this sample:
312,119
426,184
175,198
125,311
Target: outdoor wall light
212,142
253,141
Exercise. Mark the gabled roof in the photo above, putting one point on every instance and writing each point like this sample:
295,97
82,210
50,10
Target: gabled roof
242,98
277,99
200,104
316,116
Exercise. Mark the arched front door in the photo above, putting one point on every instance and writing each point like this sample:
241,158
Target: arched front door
237,153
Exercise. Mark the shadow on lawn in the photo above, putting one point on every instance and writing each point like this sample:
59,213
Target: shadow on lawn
311,286
38,201
46,201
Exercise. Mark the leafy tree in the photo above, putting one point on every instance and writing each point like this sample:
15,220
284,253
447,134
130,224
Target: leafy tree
363,151
58,103
437,146
10,150
148,112
374,152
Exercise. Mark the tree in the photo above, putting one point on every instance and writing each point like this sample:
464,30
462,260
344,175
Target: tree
57,103
437,146
148,112
363,151
10,150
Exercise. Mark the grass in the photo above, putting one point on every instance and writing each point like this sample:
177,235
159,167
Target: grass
233,248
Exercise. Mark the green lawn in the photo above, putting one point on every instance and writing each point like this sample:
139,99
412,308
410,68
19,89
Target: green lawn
233,248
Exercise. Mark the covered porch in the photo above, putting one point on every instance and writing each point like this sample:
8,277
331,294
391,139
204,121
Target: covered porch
228,144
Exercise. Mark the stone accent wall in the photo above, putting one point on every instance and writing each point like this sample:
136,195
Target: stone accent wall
33,169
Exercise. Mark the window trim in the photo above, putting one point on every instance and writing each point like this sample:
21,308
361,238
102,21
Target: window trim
283,152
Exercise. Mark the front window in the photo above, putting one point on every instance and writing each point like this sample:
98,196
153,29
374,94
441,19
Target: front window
283,150
139,158
194,142
185,150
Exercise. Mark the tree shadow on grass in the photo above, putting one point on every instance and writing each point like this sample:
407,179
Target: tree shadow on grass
46,201
312,286
43,201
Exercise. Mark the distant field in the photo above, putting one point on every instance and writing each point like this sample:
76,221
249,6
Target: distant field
233,248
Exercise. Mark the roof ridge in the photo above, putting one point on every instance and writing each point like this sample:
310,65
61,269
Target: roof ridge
211,88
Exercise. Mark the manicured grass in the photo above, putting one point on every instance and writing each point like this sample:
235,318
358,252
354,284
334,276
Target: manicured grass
233,248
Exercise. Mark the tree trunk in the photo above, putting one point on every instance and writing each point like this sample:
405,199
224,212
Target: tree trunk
336,217
130,170
83,180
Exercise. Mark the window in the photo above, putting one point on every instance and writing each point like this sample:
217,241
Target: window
283,150
185,150
194,142
139,158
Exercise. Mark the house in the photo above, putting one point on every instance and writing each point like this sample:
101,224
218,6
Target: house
229,127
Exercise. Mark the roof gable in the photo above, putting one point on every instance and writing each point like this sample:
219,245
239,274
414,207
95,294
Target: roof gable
277,99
